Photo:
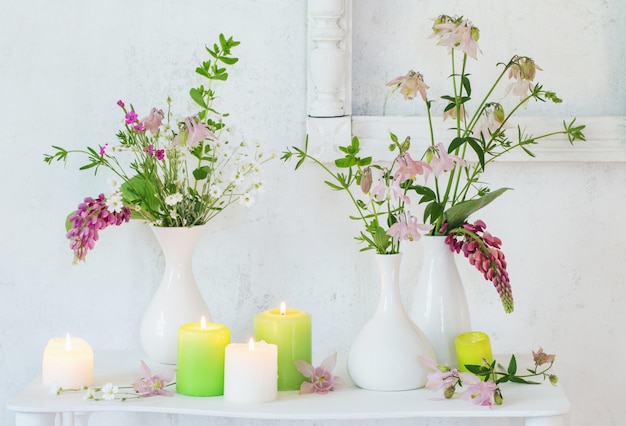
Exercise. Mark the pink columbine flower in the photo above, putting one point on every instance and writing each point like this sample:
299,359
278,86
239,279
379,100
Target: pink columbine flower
410,85
457,33
442,162
487,258
442,377
409,168
479,392
407,228
522,72
153,385
540,357
321,378
92,215
197,131
384,192
153,120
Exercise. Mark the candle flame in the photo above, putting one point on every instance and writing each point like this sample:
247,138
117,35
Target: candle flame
203,323
251,345
68,342
283,308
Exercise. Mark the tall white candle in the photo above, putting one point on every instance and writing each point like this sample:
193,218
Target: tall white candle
68,363
251,372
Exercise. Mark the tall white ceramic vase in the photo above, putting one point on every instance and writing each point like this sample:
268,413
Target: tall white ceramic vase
177,300
385,354
439,305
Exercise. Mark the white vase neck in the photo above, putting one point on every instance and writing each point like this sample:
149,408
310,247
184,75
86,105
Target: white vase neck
389,270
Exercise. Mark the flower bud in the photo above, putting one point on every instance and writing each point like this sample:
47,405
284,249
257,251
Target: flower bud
443,368
406,144
498,113
554,379
475,33
366,180
528,69
449,392
497,396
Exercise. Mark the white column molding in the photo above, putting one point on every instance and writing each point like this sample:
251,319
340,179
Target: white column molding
329,58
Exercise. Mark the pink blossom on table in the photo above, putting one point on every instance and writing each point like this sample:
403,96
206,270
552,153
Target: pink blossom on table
457,33
321,378
409,168
442,376
92,216
483,251
410,85
197,132
479,392
131,117
407,228
540,357
151,385
442,162
153,120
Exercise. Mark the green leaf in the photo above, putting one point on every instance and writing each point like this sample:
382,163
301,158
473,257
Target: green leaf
381,239
466,85
364,162
196,95
456,142
201,172
345,162
512,368
478,150
333,186
228,60
456,215
516,379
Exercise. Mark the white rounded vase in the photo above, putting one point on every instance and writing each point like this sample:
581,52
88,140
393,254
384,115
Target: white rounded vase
439,306
385,354
177,300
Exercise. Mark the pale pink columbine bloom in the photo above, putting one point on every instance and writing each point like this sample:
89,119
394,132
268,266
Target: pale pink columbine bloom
153,385
490,120
458,34
321,378
442,161
153,120
442,377
522,72
454,112
477,391
407,228
197,131
410,85
409,168
384,192
540,357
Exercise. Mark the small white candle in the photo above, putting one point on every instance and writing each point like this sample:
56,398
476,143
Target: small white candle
68,363
251,372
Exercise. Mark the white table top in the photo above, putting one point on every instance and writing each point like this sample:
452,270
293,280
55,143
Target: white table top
122,368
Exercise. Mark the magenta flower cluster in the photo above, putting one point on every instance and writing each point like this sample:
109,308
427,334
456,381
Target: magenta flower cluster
483,251
92,216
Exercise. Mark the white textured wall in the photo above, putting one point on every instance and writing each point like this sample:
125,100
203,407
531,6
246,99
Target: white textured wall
64,65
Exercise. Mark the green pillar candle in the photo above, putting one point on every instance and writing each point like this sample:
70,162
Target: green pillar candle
471,348
200,368
290,330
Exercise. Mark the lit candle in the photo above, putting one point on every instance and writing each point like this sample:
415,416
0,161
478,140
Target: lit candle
290,330
200,368
250,372
471,348
68,363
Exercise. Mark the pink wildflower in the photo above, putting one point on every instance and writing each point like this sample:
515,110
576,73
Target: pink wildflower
409,168
383,192
120,104
321,378
479,392
407,228
540,357
153,120
159,154
140,127
103,148
457,33
197,131
442,161
442,377
153,385
410,85
131,117
91,217
483,251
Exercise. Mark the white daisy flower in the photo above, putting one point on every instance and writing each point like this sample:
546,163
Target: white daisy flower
114,202
246,199
109,391
173,199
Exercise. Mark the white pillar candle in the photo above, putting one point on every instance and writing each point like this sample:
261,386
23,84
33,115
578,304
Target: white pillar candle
251,372
68,363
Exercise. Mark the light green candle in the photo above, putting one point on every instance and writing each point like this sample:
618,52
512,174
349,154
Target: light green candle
471,348
290,330
200,368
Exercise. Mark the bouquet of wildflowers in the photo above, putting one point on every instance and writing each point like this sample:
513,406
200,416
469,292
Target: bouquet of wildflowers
445,179
169,172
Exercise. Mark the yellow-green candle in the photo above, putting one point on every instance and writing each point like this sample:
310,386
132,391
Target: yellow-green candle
471,348
200,368
290,330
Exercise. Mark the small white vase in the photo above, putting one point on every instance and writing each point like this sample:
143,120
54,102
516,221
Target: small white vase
177,300
385,354
439,305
